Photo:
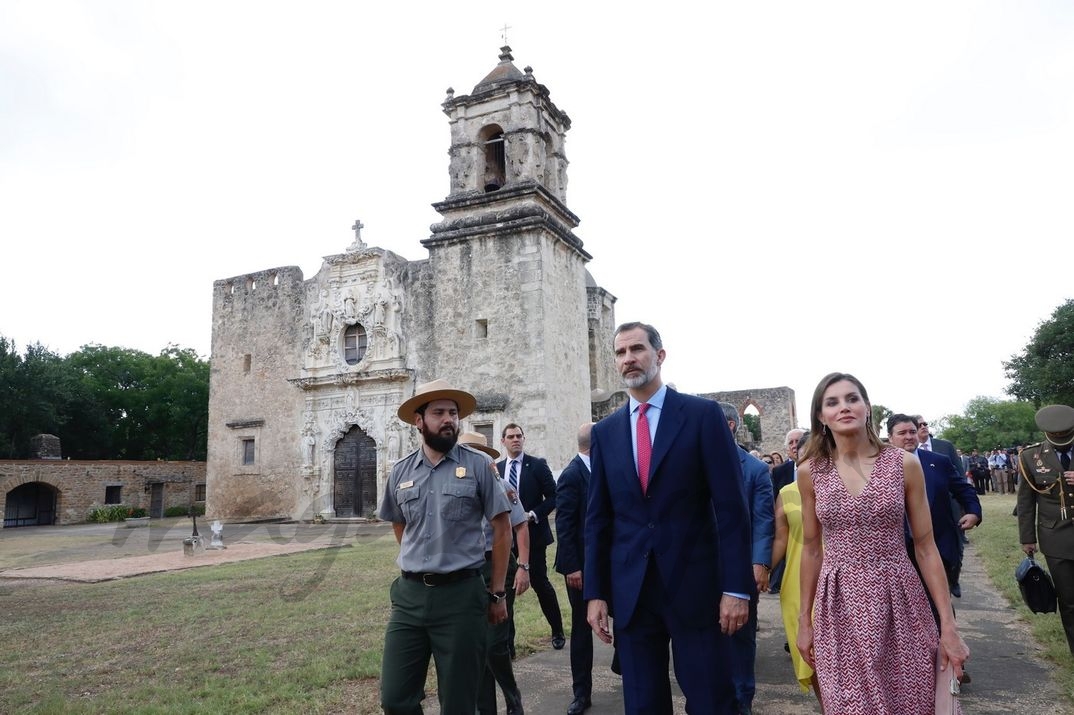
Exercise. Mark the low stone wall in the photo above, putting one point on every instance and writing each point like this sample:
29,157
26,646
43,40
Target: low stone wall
81,485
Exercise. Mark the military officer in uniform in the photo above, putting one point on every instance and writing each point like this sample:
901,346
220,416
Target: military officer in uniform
437,498
1046,504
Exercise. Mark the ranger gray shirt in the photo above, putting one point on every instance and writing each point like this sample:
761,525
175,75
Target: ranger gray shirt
518,516
442,507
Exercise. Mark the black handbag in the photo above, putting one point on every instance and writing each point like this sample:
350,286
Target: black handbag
1036,586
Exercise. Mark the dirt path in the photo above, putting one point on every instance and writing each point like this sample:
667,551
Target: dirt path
1008,674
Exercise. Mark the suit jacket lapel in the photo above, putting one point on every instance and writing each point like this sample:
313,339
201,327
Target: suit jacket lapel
584,470
620,446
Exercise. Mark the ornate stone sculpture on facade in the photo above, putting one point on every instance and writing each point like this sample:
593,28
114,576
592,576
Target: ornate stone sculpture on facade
309,445
349,304
394,444
322,316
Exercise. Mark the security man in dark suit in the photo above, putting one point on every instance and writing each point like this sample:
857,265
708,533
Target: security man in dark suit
537,491
1046,504
572,491
783,475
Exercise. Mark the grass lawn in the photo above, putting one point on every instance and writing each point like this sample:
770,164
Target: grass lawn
998,545
267,635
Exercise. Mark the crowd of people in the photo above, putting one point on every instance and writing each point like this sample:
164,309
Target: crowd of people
667,532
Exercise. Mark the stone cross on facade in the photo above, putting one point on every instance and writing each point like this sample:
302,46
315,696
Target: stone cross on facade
358,244
503,31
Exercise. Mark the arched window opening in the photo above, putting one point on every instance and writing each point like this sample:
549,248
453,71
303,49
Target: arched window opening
354,344
751,417
495,173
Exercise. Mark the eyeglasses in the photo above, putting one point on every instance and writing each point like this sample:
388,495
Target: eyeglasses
922,424
767,461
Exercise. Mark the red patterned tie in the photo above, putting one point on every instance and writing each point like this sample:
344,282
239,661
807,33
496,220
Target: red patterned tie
645,446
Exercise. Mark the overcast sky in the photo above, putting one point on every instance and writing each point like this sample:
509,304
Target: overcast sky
783,188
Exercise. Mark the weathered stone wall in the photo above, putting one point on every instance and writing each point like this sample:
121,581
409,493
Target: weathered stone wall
776,408
80,485
601,318
259,330
506,321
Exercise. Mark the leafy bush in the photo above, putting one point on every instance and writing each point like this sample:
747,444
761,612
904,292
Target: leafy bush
199,509
115,512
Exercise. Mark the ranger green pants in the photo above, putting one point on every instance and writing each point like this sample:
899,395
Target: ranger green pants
448,622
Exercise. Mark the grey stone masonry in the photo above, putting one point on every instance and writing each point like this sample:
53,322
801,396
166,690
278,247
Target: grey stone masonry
776,409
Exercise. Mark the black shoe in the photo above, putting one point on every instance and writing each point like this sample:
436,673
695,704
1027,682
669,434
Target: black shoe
579,706
558,641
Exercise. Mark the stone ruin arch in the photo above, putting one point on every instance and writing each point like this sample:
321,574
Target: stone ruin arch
30,500
777,411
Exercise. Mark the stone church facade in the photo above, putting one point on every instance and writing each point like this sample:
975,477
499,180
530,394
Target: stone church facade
307,374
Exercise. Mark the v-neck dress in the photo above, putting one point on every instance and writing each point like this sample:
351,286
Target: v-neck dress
874,635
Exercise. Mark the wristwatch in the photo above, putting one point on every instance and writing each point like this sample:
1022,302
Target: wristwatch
524,567
495,598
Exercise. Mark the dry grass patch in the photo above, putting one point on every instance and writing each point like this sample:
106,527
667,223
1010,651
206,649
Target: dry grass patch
290,634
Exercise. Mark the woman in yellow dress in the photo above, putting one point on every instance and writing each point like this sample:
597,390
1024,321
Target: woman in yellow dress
788,544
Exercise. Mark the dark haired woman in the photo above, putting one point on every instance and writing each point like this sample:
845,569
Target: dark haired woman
864,622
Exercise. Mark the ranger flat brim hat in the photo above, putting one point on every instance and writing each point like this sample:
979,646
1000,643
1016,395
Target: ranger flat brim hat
436,390
1057,424
478,442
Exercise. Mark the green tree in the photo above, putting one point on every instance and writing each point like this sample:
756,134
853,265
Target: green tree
989,423
1043,372
35,396
140,406
880,417
753,424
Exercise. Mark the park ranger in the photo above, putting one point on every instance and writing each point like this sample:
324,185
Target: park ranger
1046,504
437,498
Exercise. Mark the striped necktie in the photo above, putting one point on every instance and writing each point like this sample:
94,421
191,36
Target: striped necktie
513,477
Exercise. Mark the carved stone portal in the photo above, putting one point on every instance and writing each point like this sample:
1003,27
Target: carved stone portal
354,489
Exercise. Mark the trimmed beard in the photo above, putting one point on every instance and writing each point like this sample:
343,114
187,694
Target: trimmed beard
439,441
641,380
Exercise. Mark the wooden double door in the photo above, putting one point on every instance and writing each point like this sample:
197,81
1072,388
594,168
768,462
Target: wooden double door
354,490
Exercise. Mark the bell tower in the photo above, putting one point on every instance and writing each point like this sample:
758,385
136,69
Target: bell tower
507,278
507,131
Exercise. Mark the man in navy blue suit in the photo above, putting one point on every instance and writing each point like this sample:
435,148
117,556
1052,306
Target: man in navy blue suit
943,481
536,488
758,486
572,490
667,537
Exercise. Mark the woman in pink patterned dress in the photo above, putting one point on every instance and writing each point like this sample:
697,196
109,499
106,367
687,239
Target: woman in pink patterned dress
864,623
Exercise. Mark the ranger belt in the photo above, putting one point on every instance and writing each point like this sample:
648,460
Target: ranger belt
441,579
